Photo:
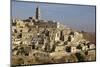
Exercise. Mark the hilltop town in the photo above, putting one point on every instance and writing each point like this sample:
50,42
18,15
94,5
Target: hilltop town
36,41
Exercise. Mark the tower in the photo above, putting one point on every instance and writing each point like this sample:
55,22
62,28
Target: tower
37,15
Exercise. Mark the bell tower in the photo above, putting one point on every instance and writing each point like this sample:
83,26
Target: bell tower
37,15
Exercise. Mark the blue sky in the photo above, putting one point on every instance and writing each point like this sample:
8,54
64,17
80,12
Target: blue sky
74,16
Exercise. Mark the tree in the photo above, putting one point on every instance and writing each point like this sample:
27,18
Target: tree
69,38
80,57
79,47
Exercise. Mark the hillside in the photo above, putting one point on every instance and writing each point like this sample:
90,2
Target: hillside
89,36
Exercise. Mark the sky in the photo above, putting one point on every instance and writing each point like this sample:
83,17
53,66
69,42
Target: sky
77,17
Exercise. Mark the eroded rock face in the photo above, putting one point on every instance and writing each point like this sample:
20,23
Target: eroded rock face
16,60
58,57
